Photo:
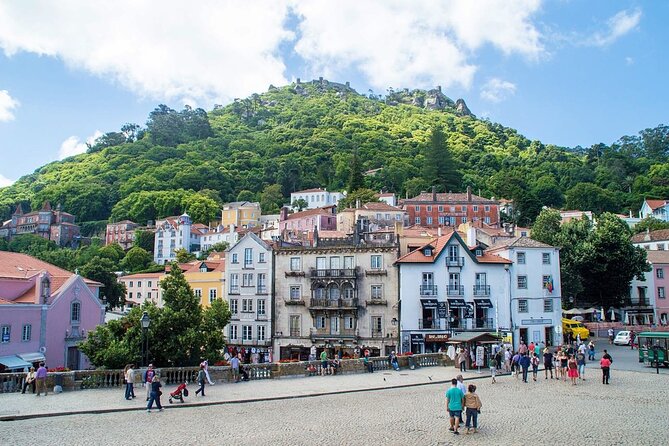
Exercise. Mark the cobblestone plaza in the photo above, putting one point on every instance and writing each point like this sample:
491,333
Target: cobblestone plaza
630,411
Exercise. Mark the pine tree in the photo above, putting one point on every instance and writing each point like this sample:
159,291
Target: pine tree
440,169
356,179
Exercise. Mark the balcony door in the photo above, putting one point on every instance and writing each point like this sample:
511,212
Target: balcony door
428,280
481,280
454,281
453,253
334,325
335,263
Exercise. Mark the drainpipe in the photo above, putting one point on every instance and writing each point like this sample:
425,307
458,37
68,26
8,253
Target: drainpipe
507,267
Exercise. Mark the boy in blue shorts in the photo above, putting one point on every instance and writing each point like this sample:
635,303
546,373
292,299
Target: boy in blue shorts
454,402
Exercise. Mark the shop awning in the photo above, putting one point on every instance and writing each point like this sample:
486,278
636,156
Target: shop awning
483,303
457,303
13,362
32,357
482,338
429,303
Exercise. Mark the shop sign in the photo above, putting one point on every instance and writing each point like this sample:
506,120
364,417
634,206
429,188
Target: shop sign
436,338
416,337
442,310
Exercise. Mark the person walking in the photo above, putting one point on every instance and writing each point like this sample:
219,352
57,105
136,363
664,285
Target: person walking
535,366
522,349
205,365
454,402
580,361
155,394
591,351
607,356
564,365
515,365
605,364
234,365
632,339
548,362
148,380
462,360
507,360
324,363
610,332
29,381
129,375
473,408
493,367
201,380
524,363
573,370
40,379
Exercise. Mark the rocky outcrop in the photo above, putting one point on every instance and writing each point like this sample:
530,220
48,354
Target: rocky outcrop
461,108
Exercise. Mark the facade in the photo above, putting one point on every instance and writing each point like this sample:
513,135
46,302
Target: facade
317,198
535,289
57,226
388,198
249,282
175,233
242,214
647,303
142,287
450,209
122,232
337,295
652,240
45,312
270,227
321,219
655,208
220,234
377,215
206,278
570,215
482,234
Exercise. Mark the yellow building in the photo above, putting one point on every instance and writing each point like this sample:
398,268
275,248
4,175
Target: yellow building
243,214
206,278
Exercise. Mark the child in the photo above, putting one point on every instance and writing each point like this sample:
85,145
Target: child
535,366
473,407
493,368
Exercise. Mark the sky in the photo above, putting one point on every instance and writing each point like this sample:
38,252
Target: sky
564,72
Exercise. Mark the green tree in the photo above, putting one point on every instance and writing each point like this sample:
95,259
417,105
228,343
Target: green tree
144,240
360,196
102,270
137,259
271,199
547,227
201,209
356,179
183,256
246,195
439,168
589,197
300,204
650,224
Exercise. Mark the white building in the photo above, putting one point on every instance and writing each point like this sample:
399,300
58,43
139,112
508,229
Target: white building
652,240
317,198
269,224
249,278
142,287
173,233
387,197
655,208
535,289
220,234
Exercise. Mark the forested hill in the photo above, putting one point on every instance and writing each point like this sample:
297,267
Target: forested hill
302,136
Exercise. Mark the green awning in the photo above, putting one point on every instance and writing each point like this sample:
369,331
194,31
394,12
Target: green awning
13,362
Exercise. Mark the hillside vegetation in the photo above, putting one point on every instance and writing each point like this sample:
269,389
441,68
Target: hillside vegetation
294,137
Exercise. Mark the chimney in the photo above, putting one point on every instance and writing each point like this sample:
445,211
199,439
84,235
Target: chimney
232,228
439,88
434,193
471,236
439,231
469,193
283,214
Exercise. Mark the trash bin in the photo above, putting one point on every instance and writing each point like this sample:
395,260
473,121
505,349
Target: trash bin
57,383
412,362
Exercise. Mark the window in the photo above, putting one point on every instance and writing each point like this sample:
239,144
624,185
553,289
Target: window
130,295
261,257
234,304
295,264
377,324
486,208
659,273
417,220
247,332
295,293
6,333
660,292
520,258
247,279
398,217
262,283
546,258
149,284
261,307
261,332
441,220
349,323
148,295
212,294
660,246
349,262
522,282
377,292
248,257
428,220
234,258
547,283
75,312
26,332
429,208
130,284
464,219
522,306
376,262
452,208
139,295
247,305
234,283
320,322
388,217
198,293
548,305
475,208
440,208
294,325
417,208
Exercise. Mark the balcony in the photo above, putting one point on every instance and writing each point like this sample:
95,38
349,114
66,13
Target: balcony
428,290
455,290
430,324
345,273
377,333
376,272
481,290
637,302
484,323
234,289
375,301
325,333
299,301
261,289
455,262
334,303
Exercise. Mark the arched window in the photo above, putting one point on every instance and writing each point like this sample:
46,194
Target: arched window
333,291
347,290
320,291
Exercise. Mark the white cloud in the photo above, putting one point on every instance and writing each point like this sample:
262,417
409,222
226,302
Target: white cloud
496,90
415,44
616,27
4,181
7,106
629,60
73,146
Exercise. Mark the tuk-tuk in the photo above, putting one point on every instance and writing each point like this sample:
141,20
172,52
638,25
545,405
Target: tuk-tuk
653,347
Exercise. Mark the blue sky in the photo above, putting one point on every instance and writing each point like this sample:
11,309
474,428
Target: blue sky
564,72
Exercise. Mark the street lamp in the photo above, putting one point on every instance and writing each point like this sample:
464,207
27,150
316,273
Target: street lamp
507,268
146,322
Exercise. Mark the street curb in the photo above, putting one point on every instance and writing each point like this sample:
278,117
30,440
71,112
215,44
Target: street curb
19,417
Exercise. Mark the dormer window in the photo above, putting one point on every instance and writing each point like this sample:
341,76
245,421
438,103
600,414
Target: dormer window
479,252
427,252
46,289
203,268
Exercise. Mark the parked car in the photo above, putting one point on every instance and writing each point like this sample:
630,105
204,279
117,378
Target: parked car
575,328
622,338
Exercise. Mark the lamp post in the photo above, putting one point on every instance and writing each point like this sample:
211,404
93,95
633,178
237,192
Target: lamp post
146,322
507,268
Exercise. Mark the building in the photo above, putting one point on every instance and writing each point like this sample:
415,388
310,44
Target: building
652,240
221,234
387,197
242,214
122,232
655,208
321,219
45,312
317,198
270,227
206,278
57,226
647,303
535,289
174,233
142,287
377,215
570,215
450,209
483,234
340,294
249,281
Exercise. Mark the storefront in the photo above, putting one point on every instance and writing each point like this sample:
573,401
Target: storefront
479,343
436,342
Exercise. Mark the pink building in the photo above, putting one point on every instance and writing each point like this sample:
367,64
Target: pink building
659,261
57,225
45,311
322,219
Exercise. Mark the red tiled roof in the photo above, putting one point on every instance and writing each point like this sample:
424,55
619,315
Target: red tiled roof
658,256
306,191
660,234
448,197
380,206
327,210
438,244
143,276
22,266
654,204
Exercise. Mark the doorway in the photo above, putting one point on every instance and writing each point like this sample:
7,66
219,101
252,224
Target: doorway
73,357
549,335
523,335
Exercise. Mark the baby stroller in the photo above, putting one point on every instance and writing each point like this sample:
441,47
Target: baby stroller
179,393
244,372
